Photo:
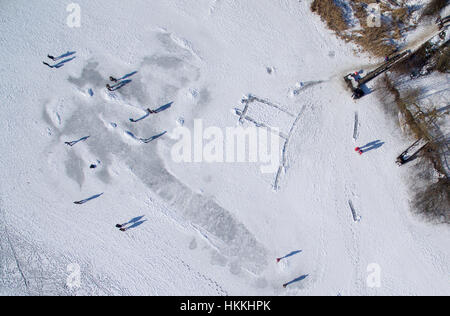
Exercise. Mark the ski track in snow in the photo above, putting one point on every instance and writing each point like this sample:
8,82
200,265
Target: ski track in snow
284,164
6,234
356,127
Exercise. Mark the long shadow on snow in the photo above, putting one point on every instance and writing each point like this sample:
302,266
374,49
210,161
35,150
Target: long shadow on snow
65,55
88,199
299,279
120,85
293,253
131,74
372,146
164,107
60,64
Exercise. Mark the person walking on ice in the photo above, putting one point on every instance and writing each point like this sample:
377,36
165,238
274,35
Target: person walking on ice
122,227
135,222
359,150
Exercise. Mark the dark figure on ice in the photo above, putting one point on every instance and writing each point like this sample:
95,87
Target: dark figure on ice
143,117
135,222
62,63
149,140
118,85
122,227
359,150
150,111
293,253
88,199
73,143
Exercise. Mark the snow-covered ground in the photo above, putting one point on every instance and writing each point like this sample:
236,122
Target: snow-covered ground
207,229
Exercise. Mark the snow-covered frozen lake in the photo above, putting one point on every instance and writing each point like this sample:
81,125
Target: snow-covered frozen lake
198,228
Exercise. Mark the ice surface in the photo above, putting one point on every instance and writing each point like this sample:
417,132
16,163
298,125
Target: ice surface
211,229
